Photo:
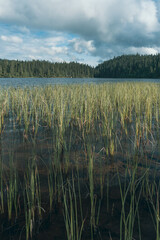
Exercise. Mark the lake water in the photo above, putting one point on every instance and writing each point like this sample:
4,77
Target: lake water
21,82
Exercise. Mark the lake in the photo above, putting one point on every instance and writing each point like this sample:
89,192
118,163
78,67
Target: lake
21,82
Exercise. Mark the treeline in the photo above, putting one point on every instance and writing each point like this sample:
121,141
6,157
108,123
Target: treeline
126,66
12,68
130,66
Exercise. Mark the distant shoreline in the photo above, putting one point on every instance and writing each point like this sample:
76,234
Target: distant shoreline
125,66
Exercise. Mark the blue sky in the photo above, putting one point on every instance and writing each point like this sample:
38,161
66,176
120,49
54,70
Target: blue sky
86,31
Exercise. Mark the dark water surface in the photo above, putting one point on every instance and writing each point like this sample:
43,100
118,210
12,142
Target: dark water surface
21,82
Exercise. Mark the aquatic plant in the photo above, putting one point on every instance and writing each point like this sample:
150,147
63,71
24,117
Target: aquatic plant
92,135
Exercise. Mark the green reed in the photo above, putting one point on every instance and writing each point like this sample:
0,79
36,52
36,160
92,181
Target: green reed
107,105
32,199
73,226
91,188
128,219
154,201
97,123
95,203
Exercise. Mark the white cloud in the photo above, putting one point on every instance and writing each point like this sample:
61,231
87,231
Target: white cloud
80,29
100,19
56,50
143,50
148,16
13,39
23,29
81,46
53,41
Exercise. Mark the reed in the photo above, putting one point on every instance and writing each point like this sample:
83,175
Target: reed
32,199
92,126
154,201
73,227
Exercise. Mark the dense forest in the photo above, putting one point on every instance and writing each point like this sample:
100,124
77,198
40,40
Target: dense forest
130,66
12,68
126,66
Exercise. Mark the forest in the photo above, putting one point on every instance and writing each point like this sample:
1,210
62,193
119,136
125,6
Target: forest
125,66
24,69
130,66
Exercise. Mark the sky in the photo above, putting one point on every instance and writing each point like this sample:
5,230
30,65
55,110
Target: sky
85,31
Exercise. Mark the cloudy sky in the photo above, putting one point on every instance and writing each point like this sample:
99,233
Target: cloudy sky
87,31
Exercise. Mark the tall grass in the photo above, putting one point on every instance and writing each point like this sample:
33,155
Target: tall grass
89,129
